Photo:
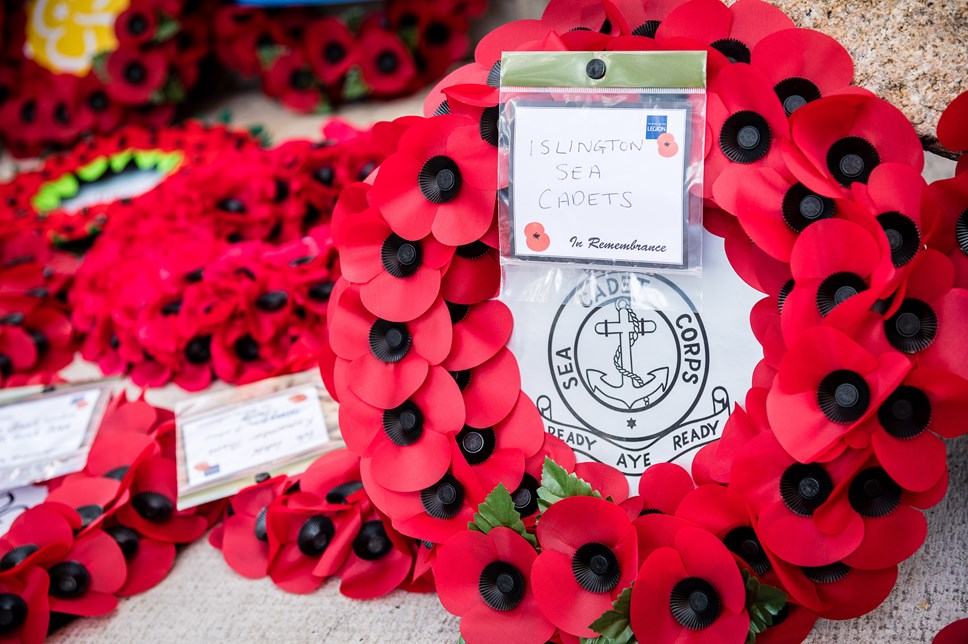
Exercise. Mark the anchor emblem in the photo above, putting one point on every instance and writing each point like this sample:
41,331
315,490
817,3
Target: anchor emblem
632,390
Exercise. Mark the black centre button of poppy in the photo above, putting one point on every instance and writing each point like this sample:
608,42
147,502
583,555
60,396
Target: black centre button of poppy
334,52
259,528
389,341
961,231
437,33
97,101
39,340
232,205
272,301
802,207
843,396
137,24
837,289
13,613
873,493
457,311
462,378
89,513
488,125
199,349
647,29
324,175
401,257
320,291
442,109
371,542
135,73
745,137
913,327
28,111
795,92
6,365
153,506
596,568
804,488
171,308
734,50
905,413
526,496
15,556
444,499
387,62
13,319
439,179
852,159
315,535
742,540
902,235
61,113
473,250
828,574
366,170
475,444
494,75
340,494
69,579
595,68
126,538
403,425
501,586
694,603
246,348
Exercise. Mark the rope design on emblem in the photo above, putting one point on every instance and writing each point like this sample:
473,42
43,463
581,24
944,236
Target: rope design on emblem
617,360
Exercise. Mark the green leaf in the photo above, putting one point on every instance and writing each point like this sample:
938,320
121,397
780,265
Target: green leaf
146,159
498,511
121,160
93,170
99,63
167,29
268,54
66,186
354,87
170,161
615,626
174,91
45,200
558,484
763,603
224,117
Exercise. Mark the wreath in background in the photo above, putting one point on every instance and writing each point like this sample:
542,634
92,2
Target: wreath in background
312,59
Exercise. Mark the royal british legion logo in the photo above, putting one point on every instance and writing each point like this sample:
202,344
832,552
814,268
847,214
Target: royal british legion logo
655,125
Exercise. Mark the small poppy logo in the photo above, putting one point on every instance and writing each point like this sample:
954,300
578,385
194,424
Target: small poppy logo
667,145
201,467
536,238
79,403
298,398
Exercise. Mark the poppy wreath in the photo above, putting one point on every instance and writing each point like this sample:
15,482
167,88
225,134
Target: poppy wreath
312,60
149,61
813,495
108,531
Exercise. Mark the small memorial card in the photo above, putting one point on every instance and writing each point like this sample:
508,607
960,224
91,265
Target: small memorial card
229,439
599,185
46,435
15,502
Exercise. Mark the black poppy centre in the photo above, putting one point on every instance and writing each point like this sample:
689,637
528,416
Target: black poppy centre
13,613
852,159
596,568
802,207
795,92
873,493
401,257
389,341
804,488
902,236
69,579
444,499
905,413
439,179
153,506
403,425
743,541
745,137
371,542
843,396
913,327
135,73
501,586
476,445
694,603
315,535
837,289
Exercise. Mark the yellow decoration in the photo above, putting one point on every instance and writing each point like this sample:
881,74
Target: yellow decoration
65,35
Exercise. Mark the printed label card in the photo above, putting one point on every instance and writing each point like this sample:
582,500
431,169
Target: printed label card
228,439
598,184
48,434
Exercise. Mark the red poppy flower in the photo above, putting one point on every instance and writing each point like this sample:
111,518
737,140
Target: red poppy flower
485,579
291,80
335,477
661,488
839,271
694,586
473,274
400,277
24,606
387,360
804,516
379,560
330,49
385,62
837,591
952,132
432,514
589,555
86,579
838,140
135,75
827,384
148,561
442,40
408,443
151,510
802,65
480,332
136,26
39,536
308,540
244,537
453,195
90,496
733,31
746,123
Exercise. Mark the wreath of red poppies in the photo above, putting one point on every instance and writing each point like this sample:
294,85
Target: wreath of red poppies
160,46
312,59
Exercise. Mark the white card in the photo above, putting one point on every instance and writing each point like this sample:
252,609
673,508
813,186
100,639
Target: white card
241,437
45,436
599,185
15,502
631,385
